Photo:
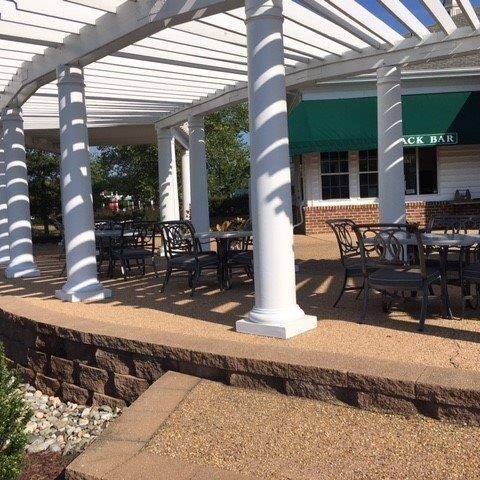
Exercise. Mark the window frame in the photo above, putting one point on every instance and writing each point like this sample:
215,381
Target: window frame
417,172
332,174
366,172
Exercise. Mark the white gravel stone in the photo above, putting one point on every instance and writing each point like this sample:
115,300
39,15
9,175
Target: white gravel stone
63,427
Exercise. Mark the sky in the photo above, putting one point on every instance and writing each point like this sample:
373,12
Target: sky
414,5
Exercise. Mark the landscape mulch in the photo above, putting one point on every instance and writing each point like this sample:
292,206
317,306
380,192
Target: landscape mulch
45,466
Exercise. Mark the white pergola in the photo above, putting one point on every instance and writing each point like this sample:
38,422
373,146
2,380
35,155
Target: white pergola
115,69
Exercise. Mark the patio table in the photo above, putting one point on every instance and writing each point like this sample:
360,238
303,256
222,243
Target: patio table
442,242
223,239
112,233
107,238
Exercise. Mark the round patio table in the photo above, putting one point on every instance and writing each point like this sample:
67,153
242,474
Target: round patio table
223,239
442,242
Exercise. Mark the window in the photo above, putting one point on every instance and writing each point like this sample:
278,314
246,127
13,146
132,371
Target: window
427,170
368,173
334,171
420,171
410,168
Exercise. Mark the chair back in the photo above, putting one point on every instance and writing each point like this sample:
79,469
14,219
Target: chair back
242,244
178,238
344,230
453,223
103,224
138,235
391,245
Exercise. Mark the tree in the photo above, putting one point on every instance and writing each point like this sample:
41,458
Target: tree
14,415
227,151
127,170
133,170
44,185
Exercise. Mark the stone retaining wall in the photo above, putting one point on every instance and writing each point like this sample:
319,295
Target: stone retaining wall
90,367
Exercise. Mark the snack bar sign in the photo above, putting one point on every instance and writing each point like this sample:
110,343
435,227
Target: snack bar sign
430,139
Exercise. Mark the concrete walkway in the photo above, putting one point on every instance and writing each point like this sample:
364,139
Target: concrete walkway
185,428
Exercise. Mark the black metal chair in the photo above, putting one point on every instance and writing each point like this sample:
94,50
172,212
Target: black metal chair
137,244
183,253
241,258
350,256
240,254
398,255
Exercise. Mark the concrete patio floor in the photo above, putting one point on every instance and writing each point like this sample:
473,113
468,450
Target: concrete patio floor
212,313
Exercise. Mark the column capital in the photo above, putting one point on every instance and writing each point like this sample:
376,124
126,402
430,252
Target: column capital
163,133
70,74
259,9
12,114
196,121
389,74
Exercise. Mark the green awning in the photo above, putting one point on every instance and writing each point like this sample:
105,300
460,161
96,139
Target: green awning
351,124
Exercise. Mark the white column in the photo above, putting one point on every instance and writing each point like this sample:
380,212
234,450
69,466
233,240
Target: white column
76,189
187,199
199,213
167,175
276,313
391,176
175,180
21,263
4,241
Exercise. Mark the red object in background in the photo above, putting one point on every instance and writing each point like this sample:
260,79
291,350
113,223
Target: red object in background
113,205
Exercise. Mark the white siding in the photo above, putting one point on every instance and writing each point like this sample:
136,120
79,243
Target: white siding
311,179
458,167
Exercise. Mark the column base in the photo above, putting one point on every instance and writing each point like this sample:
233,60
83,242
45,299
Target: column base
83,296
284,331
24,270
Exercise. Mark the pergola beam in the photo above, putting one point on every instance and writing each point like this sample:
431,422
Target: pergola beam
368,20
406,17
470,13
409,51
334,15
133,21
436,8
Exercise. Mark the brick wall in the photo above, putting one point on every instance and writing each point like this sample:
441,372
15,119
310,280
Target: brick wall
417,212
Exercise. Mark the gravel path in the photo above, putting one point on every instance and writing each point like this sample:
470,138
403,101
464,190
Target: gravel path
63,427
275,437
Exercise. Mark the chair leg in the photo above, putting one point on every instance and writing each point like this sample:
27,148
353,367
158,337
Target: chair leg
342,290
366,291
443,285
360,290
195,278
123,267
423,314
155,269
167,278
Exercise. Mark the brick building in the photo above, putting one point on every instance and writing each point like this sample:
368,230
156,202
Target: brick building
333,142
